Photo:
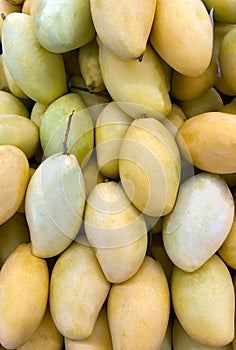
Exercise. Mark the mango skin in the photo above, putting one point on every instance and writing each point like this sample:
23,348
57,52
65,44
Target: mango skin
208,140
186,27
10,104
22,305
60,36
142,327
227,58
224,10
139,88
38,72
14,177
204,302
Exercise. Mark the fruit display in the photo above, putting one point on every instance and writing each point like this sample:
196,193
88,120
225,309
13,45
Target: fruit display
118,175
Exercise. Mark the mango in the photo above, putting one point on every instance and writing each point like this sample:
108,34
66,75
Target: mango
57,35
141,327
78,289
111,126
10,104
200,221
139,88
208,141
39,73
182,34
22,305
224,10
124,27
14,177
204,302
116,230
227,54
149,166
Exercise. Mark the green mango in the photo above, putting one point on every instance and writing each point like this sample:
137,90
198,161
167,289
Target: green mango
224,10
61,26
39,73
227,58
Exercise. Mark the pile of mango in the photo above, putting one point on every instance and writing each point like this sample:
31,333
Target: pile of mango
117,174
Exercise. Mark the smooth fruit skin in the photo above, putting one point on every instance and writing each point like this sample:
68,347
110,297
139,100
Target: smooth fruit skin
24,283
139,88
138,309
38,72
60,26
54,204
182,34
227,58
204,302
224,10
124,27
208,141
14,177
78,290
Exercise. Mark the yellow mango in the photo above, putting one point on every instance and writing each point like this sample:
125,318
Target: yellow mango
3,80
174,119
92,175
182,34
224,10
138,309
208,141
188,88
200,221
204,302
139,88
100,339
181,340
37,111
149,166
229,107
10,104
116,230
227,58
24,282
124,27
46,336
228,248
7,7
167,341
111,126
78,290
12,233
14,177
208,101
57,35
19,131
38,72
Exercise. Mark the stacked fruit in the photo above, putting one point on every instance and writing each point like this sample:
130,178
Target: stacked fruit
117,174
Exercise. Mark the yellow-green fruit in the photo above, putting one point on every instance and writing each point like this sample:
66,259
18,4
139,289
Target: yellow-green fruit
181,340
139,88
100,339
12,86
3,80
14,177
149,166
224,10
19,131
111,126
204,302
229,107
116,230
54,204
92,175
124,27
208,141
53,126
209,101
58,35
10,104
188,88
37,112
39,73
46,336
7,7
167,341
220,29
12,233
227,250
199,222
78,290
174,119
90,68
24,283
139,308
227,58
182,34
